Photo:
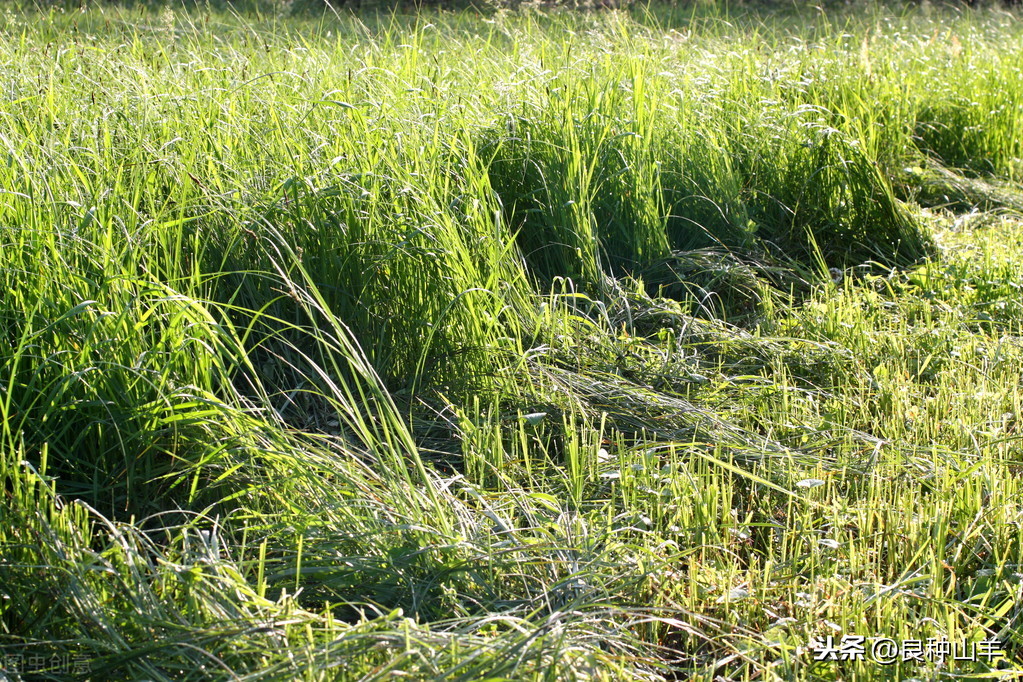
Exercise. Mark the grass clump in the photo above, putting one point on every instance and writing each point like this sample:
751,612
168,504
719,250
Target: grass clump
622,350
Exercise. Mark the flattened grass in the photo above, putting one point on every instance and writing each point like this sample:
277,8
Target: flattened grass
334,354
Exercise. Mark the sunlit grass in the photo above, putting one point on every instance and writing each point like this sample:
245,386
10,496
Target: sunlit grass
514,345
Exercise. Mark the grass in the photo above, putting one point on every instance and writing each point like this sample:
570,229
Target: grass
508,345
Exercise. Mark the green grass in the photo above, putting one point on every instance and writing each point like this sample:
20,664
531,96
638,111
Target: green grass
504,345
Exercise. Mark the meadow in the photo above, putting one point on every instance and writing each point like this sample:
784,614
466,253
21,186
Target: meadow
510,345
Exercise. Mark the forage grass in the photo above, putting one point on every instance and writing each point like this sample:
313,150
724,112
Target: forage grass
533,344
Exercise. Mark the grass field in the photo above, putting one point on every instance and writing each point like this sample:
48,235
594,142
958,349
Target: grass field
660,344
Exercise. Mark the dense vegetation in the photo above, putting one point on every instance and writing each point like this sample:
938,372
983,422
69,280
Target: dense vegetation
531,345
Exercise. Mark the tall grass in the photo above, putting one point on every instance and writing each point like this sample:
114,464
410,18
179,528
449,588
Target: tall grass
505,346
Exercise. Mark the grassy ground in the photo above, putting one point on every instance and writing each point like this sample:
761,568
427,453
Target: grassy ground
509,346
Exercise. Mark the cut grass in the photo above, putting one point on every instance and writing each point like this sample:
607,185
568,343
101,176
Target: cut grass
335,354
